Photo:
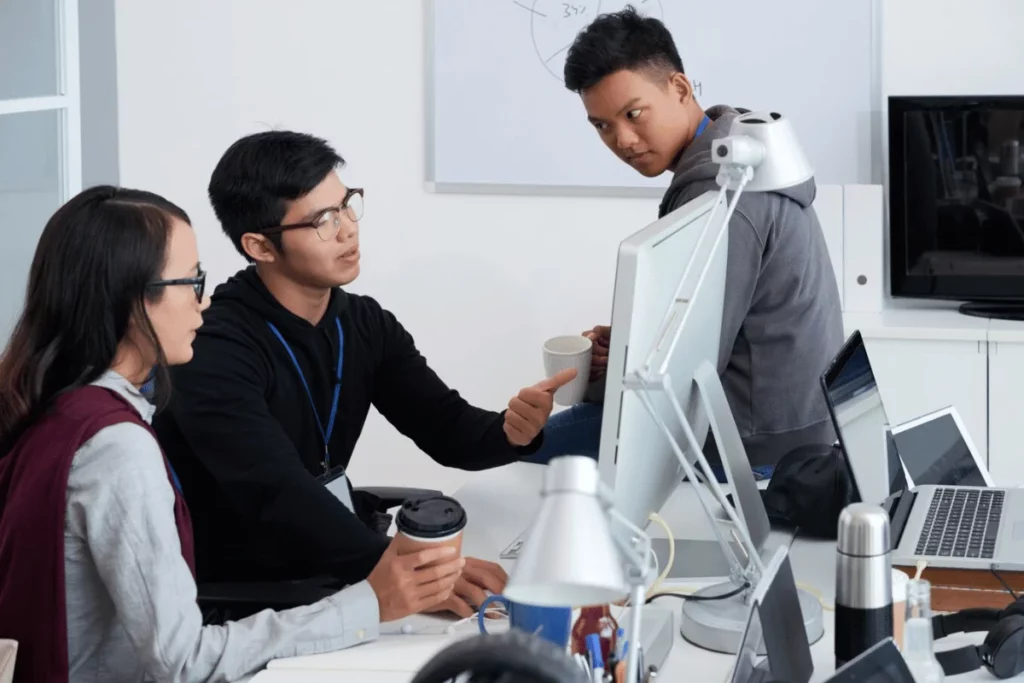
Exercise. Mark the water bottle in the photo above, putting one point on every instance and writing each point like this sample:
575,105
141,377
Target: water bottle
918,645
863,581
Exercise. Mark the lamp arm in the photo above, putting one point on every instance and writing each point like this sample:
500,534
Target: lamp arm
639,554
669,316
735,563
730,176
739,526
639,560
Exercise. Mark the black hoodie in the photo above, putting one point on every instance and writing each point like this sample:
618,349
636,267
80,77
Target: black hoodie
244,440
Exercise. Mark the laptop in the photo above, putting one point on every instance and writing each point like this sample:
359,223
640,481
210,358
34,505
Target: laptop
960,527
936,449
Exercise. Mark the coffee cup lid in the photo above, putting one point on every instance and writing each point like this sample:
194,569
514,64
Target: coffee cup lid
431,517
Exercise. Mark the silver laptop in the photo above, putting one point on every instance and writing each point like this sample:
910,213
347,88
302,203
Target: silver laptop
961,527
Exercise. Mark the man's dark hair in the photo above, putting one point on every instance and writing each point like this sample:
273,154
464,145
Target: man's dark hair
256,178
616,42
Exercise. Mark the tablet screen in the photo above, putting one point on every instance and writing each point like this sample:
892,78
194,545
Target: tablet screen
935,453
747,658
881,663
782,623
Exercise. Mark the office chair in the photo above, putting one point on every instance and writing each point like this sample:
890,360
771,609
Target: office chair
512,657
228,601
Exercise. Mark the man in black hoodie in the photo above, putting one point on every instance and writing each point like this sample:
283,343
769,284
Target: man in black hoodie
285,369
782,318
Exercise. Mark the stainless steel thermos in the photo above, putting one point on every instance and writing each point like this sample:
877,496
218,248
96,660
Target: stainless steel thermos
863,580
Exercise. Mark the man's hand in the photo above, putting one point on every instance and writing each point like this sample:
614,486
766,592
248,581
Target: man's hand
478,578
404,585
529,411
601,336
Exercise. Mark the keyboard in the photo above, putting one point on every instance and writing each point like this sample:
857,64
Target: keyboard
962,523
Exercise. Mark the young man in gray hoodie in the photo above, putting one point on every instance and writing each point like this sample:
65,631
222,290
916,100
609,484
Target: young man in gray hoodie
782,321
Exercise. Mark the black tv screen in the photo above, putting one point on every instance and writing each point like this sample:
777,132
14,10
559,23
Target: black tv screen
956,209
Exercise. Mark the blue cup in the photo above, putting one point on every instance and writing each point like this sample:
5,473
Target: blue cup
550,623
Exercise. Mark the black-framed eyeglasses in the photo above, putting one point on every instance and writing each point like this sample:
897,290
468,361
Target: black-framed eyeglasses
327,223
198,283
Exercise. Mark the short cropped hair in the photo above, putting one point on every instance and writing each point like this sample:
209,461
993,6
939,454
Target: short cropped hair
260,174
619,41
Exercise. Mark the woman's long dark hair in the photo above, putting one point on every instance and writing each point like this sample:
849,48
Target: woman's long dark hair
88,281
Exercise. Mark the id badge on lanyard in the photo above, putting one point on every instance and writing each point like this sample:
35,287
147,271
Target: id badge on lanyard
337,483
334,479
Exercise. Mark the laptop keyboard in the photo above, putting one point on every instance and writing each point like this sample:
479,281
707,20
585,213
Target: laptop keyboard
962,523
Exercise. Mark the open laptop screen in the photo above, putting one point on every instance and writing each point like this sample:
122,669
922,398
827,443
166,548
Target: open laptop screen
934,451
858,414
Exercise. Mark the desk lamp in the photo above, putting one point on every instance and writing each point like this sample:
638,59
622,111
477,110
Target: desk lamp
760,154
571,555
573,558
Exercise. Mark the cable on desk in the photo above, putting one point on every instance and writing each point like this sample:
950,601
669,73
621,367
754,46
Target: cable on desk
699,598
656,518
999,577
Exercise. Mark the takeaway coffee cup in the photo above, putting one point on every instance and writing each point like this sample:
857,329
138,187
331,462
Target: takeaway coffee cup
429,522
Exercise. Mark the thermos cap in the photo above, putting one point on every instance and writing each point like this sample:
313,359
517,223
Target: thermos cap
863,531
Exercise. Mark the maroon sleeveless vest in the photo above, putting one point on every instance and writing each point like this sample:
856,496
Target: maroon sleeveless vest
33,502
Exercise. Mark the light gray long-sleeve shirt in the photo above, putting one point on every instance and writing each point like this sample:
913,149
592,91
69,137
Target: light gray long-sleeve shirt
131,599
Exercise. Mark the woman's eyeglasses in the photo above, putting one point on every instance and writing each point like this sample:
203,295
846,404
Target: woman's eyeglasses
328,222
198,283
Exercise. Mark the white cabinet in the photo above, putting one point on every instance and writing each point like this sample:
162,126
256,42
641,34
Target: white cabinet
1006,401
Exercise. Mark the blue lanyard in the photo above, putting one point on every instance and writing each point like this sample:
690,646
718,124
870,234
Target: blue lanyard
174,478
701,127
324,432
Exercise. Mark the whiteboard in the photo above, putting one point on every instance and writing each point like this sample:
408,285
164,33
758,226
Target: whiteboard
499,118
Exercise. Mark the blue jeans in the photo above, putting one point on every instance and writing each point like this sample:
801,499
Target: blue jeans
577,431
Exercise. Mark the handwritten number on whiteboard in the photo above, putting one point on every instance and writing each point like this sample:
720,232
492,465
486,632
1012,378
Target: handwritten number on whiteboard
572,10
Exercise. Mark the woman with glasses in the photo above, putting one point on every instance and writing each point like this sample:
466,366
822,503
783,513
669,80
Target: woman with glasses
96,544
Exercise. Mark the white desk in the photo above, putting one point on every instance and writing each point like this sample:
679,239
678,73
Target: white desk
500,505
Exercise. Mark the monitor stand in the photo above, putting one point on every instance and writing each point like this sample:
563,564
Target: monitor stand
1010,310
719,625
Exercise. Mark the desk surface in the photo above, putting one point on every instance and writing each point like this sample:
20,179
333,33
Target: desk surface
500,505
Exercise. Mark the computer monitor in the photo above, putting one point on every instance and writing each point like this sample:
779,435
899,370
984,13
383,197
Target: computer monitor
637,461
861,423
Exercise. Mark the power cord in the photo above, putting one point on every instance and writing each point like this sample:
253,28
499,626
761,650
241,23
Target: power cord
656,518
999,577
698,598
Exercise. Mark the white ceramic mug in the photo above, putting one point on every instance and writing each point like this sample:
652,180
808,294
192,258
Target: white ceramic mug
570,351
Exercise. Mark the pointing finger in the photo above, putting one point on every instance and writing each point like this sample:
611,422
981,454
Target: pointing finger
558,380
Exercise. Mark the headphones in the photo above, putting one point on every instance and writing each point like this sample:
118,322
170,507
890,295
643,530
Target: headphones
1002,653
512,656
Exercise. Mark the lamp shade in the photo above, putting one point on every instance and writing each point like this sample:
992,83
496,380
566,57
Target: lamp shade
784,163
569,556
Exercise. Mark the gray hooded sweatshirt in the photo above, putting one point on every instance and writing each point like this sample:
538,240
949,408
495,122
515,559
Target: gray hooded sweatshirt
782,322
